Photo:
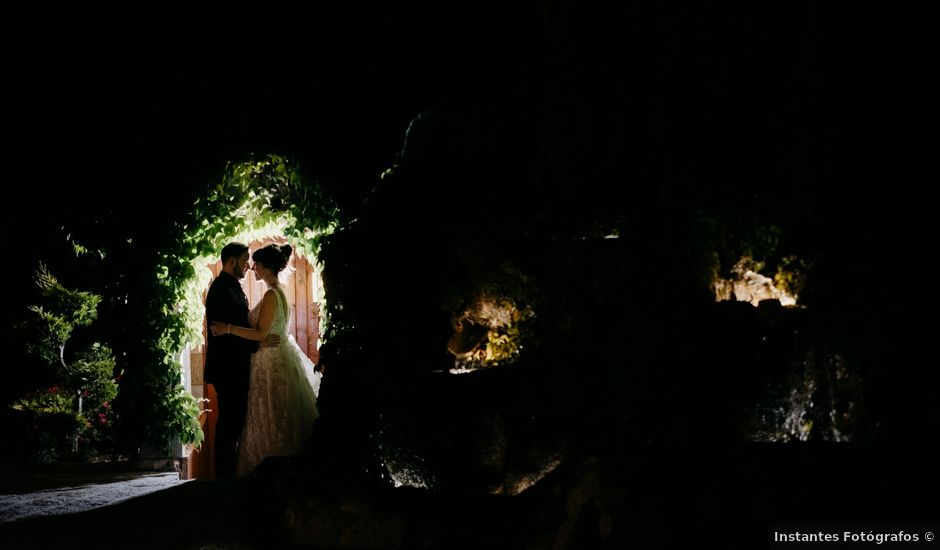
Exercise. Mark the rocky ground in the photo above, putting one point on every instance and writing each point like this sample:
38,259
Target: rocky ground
27,496
677,497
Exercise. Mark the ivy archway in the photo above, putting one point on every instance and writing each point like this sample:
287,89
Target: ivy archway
255,199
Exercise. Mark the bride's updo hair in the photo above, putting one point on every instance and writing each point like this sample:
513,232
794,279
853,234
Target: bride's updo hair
273,256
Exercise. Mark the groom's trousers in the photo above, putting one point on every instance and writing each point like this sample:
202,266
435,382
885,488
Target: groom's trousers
232,406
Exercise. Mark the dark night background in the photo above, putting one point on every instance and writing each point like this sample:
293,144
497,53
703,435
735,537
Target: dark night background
547,119
817,102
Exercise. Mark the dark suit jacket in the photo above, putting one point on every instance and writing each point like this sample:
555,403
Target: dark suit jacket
228,357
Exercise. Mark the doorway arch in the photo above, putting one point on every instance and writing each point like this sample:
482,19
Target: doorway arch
256,200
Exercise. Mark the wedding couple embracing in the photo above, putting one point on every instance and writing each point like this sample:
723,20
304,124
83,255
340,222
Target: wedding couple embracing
265,385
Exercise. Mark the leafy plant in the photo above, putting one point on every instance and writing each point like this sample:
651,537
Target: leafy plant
76,407
62,312
51,425
791,274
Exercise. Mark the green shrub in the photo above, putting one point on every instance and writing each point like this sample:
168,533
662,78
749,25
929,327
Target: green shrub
73,415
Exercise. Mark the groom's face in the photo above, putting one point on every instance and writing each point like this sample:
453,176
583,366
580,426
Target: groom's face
240,265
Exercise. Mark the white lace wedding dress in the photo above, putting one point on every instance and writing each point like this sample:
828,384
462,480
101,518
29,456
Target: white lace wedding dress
282,403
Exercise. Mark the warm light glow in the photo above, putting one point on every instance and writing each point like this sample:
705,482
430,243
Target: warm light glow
487,334
528,480
457,370
749,286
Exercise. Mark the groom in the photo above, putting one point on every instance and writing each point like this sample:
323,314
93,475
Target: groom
228,357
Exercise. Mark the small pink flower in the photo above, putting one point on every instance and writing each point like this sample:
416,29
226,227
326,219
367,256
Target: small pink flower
54,389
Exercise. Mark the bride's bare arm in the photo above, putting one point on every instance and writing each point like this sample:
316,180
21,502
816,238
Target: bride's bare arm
265,320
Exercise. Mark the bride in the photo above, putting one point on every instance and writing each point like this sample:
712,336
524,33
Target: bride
282,403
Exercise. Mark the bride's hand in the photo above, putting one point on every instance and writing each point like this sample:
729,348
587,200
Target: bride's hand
218,329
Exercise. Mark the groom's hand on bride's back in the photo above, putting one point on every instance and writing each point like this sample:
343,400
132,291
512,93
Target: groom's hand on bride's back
271,341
